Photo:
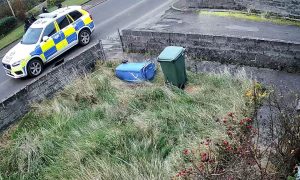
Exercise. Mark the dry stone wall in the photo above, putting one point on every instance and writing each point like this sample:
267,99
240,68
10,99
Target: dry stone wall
262,53
214,4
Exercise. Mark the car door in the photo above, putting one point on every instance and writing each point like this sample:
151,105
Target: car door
77,22
48,47
67,31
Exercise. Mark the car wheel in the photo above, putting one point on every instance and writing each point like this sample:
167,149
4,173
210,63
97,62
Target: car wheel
84,37
34,68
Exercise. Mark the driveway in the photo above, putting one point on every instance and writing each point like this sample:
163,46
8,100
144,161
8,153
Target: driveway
192,22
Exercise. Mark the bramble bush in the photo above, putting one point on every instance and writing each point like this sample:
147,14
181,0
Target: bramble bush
237,156
248,151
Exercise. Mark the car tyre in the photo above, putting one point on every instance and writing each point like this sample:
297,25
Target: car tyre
34,68
84,37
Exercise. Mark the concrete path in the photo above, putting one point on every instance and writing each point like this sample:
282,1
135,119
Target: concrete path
192,22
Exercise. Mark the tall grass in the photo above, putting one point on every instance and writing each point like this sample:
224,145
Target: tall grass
102,128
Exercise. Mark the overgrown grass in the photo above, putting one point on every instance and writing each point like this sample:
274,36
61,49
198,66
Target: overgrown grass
102,128
19,31
251,17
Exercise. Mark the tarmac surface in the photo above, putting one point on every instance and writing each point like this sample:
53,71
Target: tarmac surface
195,23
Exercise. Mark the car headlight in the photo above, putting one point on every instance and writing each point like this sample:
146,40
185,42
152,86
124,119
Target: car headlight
16,63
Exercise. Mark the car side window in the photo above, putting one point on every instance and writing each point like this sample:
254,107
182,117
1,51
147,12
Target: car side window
75,15
63,22
49,30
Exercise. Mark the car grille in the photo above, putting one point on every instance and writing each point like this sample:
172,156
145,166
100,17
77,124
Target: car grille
6,66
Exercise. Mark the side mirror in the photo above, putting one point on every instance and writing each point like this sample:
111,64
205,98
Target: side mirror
45,38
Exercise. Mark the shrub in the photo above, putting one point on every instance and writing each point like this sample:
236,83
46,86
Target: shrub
7,24
238,156
269,151
284,132
20,9
4,11
54,2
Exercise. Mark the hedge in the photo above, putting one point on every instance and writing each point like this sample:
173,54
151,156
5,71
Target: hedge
7,24
54,2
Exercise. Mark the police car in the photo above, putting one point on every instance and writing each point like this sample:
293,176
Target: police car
51,35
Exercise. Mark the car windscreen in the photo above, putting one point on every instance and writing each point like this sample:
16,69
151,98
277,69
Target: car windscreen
32,36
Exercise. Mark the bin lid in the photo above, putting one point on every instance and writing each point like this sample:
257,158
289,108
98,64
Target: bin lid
134,67
170,53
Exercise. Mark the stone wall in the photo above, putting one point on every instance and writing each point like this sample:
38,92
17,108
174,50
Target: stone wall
16,106
214,4
277,55
288,8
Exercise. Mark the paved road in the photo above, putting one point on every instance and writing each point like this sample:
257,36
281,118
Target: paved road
108,17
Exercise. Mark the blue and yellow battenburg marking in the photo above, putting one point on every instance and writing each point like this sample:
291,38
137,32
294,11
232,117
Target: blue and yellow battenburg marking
61,39
58,41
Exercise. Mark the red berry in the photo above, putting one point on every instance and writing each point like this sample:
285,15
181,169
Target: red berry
228,148
225,142
229,133
204,157
248,119
230,114
249,127
186,152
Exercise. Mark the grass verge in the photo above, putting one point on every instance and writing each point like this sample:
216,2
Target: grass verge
74,2
19,31
251,17
12,36
102,128
70,3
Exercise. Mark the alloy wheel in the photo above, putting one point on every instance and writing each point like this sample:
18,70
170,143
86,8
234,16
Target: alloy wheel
35,68
85,37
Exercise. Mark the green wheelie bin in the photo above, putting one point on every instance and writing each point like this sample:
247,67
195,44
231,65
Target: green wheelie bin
172,62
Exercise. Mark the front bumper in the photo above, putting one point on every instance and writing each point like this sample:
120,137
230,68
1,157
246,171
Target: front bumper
14,72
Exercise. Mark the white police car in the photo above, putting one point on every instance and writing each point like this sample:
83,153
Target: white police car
48,37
